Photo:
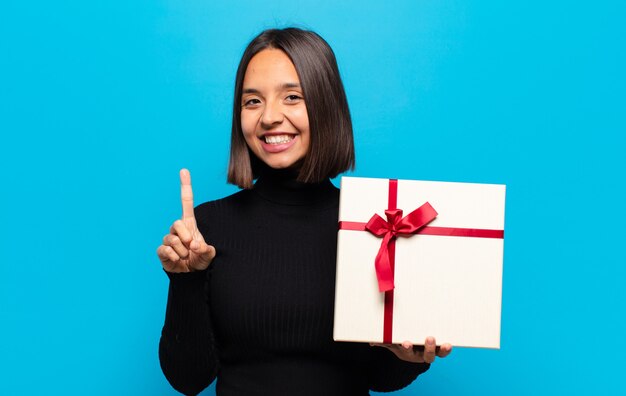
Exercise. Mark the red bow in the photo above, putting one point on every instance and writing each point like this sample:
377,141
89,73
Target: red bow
389,230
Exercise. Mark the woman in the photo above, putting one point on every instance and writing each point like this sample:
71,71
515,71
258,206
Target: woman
255,307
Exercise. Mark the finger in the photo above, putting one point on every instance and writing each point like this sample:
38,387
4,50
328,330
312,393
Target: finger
381,345
170,260
429,350
167,254
175,243
444,350
180,229
186,194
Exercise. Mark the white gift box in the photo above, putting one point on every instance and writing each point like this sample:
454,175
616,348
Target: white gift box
447,275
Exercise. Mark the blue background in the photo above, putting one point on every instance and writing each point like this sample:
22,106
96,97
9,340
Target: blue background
101,103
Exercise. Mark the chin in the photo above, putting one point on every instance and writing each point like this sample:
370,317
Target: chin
284,164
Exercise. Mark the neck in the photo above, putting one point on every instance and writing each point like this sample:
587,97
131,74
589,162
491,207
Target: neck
280,186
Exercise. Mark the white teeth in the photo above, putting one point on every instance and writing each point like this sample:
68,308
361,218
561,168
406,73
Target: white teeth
277,139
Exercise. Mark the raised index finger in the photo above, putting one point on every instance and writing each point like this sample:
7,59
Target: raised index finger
186,194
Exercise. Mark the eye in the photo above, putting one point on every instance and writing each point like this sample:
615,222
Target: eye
251,102
293,98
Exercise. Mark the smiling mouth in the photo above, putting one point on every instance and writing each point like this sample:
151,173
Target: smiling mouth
277,139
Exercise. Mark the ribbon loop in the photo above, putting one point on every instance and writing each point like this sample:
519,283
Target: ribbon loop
377,226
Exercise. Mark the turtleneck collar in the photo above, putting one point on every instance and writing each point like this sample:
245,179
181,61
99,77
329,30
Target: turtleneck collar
280,186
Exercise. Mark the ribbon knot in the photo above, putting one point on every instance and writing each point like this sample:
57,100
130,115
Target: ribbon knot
389,230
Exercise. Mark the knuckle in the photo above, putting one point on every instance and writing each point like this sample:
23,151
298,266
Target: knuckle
185,237
173,240
178,224
172,254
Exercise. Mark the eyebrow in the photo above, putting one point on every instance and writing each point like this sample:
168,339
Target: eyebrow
282,86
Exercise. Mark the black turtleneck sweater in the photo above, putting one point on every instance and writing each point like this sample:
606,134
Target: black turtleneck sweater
260,319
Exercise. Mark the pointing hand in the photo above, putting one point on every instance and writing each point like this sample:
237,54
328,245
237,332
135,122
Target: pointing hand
184,248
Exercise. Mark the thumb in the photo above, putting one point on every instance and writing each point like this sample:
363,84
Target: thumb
205,251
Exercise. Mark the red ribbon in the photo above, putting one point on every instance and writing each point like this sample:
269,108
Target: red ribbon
389,230
413,223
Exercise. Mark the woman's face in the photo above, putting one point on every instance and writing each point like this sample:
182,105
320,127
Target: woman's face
274,120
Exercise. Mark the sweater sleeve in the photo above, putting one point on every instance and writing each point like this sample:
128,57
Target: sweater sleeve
187,349
387,373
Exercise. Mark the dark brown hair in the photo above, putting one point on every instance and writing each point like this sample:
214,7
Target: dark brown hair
331,149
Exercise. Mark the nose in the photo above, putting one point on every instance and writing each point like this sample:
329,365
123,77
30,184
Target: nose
272,115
